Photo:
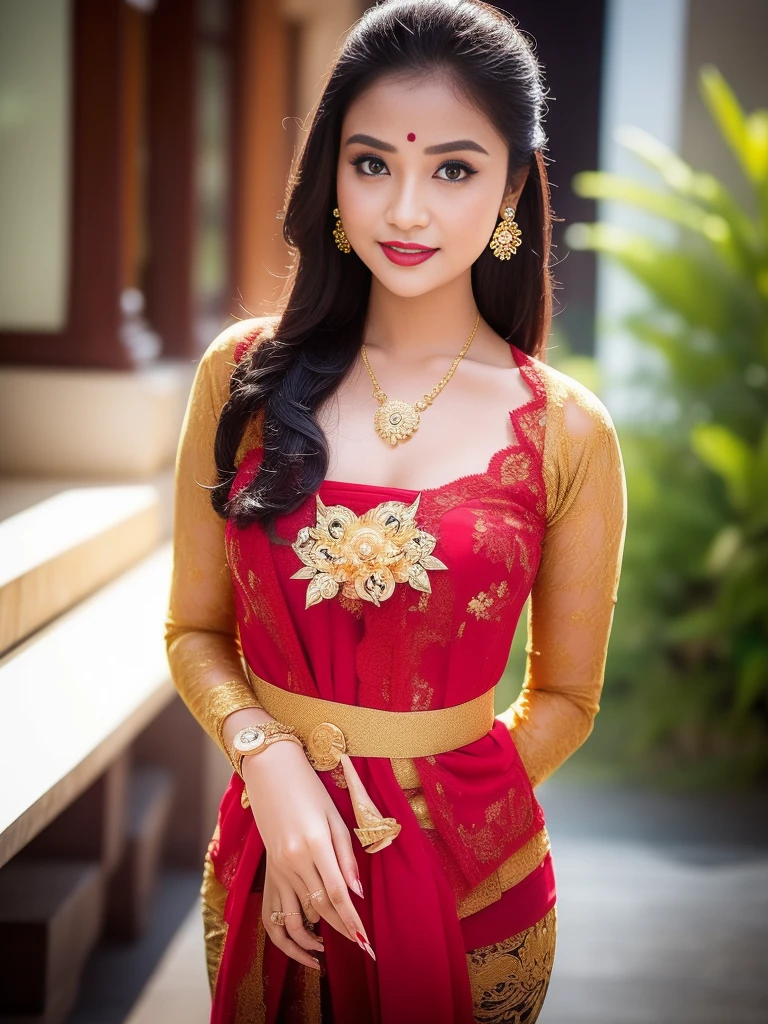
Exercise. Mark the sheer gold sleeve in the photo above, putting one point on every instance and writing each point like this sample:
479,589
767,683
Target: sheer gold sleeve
573,597
200,630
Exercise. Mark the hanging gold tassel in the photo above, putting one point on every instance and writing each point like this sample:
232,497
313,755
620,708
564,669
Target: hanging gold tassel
374,831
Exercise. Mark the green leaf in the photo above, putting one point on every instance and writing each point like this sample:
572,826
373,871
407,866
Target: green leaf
726,112
746,136
699,290
724,549
743,594
753,680
714,228
700,624
727,455
695,367
757,123
700,186
760,478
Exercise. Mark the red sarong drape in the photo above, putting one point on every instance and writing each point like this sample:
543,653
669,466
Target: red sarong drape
414,652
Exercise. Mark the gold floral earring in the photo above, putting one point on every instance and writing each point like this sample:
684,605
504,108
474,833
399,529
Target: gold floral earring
507,237
338,233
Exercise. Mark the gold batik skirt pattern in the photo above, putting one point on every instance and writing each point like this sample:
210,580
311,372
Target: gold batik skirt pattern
509,979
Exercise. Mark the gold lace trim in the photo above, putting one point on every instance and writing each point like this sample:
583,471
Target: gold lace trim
513,870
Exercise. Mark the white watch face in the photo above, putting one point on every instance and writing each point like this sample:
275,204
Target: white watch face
248,739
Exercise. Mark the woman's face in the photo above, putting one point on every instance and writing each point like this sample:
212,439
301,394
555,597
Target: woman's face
419,164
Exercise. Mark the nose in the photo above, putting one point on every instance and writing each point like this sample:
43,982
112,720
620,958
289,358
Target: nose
407,209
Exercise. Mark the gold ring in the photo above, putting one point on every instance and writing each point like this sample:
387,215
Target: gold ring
309,896
277,917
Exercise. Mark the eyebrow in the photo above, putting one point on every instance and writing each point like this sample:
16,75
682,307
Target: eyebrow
442,147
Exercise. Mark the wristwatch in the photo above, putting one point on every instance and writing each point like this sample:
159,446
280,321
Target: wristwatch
254,739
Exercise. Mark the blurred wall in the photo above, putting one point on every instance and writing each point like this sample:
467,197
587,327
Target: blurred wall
569,43
35,130
324,25
643,86
734,37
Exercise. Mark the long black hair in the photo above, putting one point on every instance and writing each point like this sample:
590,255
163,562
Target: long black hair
320,328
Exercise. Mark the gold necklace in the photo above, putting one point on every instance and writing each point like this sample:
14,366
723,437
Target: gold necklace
397,421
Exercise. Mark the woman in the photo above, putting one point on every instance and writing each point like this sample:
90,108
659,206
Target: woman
380,855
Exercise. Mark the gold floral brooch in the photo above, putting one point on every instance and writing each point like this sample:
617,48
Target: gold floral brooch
364,556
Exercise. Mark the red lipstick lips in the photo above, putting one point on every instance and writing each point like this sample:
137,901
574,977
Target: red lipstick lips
413,254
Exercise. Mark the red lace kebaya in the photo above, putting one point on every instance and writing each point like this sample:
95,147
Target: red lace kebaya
472,863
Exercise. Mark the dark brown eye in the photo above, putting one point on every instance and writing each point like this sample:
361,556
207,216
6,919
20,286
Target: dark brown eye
375,166
455,170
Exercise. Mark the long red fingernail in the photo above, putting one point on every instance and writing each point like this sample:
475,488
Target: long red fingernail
363,943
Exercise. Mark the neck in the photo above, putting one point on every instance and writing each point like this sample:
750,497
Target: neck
413,328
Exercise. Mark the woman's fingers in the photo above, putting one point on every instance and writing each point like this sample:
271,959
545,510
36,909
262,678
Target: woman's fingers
294,919
335,889
318,908
278,933
309,911
345,855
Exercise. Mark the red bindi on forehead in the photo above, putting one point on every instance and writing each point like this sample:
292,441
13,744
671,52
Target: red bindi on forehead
411,137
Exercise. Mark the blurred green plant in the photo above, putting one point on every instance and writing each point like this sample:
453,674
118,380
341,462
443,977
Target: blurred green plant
687,677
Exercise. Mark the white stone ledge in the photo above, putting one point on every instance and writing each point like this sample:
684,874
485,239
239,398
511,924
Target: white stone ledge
55,553
75,695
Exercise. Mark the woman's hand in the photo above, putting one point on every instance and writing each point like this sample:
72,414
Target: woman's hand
308,848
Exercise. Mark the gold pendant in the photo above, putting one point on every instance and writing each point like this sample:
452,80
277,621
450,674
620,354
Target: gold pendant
396,421
364,556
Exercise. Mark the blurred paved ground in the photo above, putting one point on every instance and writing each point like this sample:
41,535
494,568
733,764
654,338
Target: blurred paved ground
662,907
662,911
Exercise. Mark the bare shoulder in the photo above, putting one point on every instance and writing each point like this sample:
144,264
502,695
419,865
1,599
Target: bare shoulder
581,413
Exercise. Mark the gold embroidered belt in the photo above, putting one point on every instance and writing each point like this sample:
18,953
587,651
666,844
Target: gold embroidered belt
332,732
